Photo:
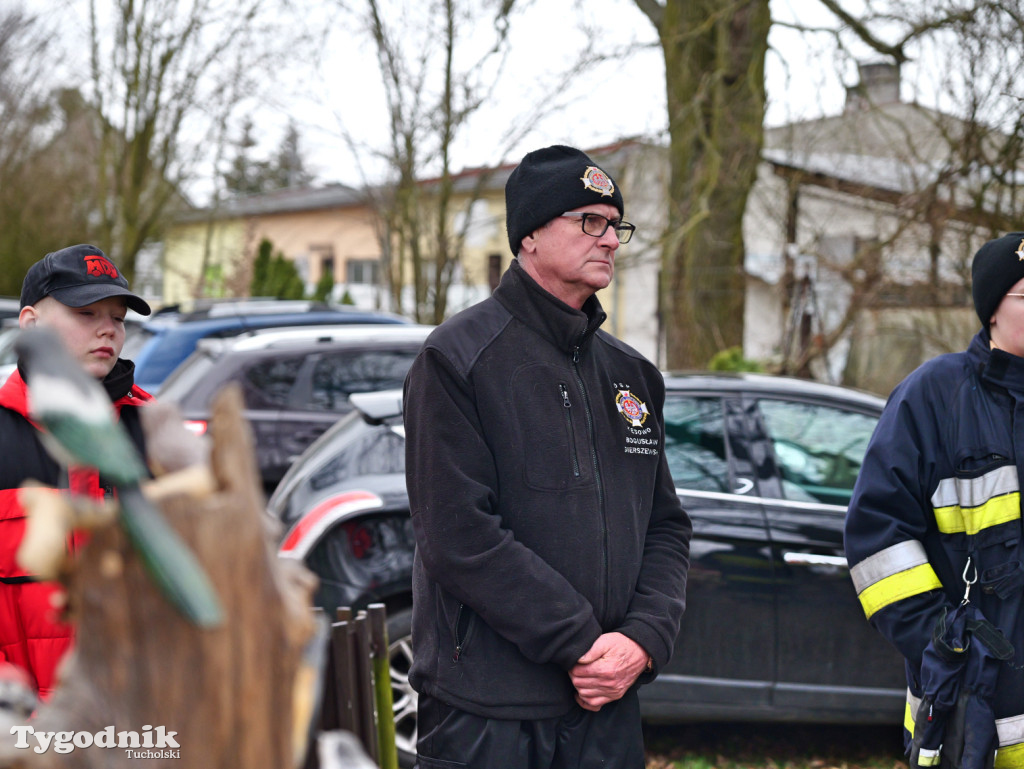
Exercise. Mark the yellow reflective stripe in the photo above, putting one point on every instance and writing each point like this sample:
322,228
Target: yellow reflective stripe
969,505
894,559
971,520
1011,757
919,579
973,492
926,757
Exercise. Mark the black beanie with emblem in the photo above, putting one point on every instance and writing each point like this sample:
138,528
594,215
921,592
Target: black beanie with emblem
547,183
997,266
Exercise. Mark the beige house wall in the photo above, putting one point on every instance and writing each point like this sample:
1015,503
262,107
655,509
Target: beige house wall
305,237
184,246
485,237
308,237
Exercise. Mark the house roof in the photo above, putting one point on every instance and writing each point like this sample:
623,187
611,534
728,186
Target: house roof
282,201
294,199
883,174
890,181
464,180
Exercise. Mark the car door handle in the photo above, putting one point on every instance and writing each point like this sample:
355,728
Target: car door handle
813,559
743,485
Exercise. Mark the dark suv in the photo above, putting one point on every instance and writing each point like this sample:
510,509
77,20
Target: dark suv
163,342
764,465
296,382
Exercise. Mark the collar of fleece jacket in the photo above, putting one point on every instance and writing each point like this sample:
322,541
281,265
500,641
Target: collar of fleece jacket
564,326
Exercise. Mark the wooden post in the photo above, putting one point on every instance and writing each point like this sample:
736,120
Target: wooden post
235,696
368,718
344,680
388,756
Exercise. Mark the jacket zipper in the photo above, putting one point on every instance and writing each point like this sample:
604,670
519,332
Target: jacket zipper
567,405
459,641
597,471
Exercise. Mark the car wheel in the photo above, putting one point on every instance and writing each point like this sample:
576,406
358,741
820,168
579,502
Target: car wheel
402,693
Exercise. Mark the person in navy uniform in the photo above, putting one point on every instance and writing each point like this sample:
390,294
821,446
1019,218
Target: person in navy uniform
933,534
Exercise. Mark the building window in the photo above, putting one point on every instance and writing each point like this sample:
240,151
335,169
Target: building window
362,271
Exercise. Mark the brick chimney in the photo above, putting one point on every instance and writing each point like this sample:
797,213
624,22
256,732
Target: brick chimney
879,84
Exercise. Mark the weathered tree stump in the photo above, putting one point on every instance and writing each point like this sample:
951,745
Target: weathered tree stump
228,696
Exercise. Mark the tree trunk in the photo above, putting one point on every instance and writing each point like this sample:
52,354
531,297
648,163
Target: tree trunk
714,70
227,694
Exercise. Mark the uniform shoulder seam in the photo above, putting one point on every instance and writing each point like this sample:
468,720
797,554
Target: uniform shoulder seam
464,337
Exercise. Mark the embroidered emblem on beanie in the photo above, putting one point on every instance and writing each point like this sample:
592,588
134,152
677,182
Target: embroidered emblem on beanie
597,180
1020,251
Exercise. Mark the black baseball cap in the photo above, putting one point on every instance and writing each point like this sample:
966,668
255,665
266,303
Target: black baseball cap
76,276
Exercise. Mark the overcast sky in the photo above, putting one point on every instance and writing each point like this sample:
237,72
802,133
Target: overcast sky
626,98
613,101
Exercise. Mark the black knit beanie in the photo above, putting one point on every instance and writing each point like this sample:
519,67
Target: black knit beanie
549,182
996,267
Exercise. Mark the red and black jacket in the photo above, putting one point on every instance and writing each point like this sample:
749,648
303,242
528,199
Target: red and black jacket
32,636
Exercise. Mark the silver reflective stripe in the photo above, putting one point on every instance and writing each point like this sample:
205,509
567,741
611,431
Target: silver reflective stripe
885,563
1010,730
913,703
926,757
972,492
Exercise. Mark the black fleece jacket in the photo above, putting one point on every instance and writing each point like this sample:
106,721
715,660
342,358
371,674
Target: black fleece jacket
541,501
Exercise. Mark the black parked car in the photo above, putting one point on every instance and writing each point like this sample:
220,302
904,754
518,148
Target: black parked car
295,382
764,465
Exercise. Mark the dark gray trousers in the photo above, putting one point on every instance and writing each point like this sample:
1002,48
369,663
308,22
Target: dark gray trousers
610,738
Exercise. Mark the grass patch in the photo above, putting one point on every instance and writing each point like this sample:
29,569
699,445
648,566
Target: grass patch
774,746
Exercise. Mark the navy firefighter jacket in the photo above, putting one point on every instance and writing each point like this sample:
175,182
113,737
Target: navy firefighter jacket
937,501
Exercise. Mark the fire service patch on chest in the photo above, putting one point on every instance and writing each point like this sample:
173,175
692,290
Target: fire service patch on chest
633,409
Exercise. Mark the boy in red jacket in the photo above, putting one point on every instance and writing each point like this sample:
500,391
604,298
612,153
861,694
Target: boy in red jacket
80,294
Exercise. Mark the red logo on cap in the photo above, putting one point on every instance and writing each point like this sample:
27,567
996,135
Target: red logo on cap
98,265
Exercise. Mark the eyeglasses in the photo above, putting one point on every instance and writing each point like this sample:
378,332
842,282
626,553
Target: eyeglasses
596,225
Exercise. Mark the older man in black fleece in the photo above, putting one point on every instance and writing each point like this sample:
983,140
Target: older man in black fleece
552,550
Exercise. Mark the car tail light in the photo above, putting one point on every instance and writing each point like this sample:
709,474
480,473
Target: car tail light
197,426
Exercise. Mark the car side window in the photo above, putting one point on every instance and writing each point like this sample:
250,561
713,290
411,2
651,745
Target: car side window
336,376
268,383
695,443
818,448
